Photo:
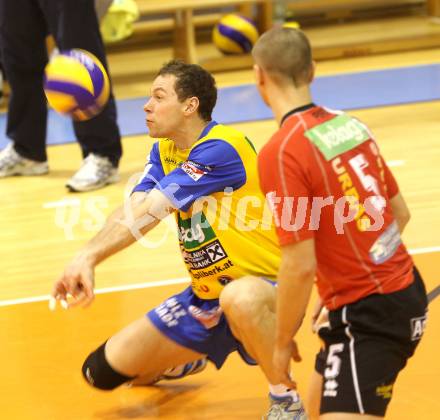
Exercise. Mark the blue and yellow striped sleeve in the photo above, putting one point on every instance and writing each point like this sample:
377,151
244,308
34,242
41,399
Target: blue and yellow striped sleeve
211,167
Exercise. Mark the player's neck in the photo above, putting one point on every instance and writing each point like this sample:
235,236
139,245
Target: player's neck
283,101
189,133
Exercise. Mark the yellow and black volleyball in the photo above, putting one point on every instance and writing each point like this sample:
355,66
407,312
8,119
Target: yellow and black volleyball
76,84
235,34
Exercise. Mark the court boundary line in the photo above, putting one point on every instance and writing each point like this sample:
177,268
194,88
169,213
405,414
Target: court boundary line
433,294
160,283
103,290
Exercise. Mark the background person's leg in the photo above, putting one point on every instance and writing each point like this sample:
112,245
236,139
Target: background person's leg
24,56
74,24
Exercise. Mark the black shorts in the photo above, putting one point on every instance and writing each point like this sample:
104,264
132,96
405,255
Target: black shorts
366,346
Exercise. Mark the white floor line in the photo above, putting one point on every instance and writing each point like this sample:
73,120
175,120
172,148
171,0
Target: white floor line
427,250
394,163
160,283
145,285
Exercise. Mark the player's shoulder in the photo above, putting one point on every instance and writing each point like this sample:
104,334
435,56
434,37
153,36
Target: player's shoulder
215,152
298,130
322,117
292,136
298,121
224,133
313,117
224,141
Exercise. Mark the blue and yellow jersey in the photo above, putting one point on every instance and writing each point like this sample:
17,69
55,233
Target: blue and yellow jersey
225,229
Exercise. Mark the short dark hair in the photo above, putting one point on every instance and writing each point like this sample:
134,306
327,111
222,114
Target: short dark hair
193,80
286,53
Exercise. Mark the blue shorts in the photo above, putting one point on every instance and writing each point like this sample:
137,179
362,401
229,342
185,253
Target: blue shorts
198,325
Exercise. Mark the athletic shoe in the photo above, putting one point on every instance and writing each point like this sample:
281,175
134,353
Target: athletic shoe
11,163
181,371
95,172
284,408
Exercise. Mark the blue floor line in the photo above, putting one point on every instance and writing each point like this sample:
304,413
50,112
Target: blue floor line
242,103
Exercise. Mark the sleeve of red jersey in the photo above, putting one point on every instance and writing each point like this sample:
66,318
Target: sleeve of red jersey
288,193
390,181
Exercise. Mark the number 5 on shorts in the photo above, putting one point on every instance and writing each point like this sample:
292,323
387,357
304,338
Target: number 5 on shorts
333,369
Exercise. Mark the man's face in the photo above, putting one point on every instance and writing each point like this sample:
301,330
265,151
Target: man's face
164,111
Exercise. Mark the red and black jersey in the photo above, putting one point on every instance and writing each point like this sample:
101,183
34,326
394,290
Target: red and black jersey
324,178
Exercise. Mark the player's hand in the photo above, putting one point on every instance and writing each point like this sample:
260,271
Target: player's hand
281,363
75,286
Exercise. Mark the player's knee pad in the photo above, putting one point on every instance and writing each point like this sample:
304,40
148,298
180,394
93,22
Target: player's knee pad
100,374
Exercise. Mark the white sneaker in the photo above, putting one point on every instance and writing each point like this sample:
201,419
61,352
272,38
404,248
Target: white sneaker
285,408
95,172
179,372
11,163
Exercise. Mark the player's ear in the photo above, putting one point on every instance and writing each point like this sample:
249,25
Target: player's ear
191,105
259,75
312,72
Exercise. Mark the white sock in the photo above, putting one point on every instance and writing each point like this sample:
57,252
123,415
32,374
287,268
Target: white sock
281,390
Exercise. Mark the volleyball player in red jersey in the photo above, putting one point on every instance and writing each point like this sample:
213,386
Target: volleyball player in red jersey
339,217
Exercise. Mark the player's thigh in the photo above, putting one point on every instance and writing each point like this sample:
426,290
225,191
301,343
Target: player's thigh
314,396
347,416
141,349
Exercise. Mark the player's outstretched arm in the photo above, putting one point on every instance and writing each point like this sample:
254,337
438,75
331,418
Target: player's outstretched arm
141,214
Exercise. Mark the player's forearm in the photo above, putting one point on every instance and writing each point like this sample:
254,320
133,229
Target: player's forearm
400,211
119,232
295,283
402,220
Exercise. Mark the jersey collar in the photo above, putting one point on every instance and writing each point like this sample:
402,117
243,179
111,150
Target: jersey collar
207,129
294,111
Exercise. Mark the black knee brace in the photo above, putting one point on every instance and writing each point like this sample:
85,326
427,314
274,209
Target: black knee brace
100,374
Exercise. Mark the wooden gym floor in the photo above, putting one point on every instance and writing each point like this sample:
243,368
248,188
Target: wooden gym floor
42,352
